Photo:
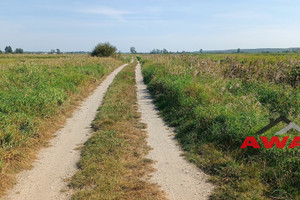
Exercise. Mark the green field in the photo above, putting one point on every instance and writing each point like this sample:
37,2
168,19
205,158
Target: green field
37,92
215,101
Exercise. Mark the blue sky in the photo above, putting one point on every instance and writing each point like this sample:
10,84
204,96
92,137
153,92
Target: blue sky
188,25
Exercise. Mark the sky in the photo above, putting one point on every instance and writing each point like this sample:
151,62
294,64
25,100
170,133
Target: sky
189,25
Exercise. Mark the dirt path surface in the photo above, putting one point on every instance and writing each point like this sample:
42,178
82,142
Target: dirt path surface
46,179
178,178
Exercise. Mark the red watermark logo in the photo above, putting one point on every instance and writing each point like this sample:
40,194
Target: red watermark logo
251,141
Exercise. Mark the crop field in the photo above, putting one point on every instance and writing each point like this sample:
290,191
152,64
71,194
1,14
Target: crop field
215,101
37,93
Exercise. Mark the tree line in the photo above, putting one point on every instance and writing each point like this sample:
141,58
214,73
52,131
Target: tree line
8,50
165,51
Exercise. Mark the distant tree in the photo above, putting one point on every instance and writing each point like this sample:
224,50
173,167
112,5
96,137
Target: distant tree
154,51
0,51
132,50
19,51
201,51
158,51
58,51
52,51
8,49
238,50
104,50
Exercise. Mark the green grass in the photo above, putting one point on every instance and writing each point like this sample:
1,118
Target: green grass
112,165
213,112
36,94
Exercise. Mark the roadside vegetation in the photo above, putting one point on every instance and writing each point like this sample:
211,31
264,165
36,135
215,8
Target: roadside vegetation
37,93
113,163
216,101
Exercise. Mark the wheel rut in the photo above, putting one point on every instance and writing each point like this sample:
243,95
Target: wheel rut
180,179
46,179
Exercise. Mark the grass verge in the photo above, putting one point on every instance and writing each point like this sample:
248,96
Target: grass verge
113,163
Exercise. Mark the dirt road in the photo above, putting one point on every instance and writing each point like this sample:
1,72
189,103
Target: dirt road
178,178
46,179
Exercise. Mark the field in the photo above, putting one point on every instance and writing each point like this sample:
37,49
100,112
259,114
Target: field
216,101
37,93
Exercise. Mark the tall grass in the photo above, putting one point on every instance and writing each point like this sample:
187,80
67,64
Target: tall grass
214,106
35,92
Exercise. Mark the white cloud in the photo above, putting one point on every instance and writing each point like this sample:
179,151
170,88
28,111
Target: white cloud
106,11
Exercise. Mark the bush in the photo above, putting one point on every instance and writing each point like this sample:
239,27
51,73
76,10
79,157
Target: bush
104,50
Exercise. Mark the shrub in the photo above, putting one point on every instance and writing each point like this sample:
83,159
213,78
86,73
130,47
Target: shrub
104,50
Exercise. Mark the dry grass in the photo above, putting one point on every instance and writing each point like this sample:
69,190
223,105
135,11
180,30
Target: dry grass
213,112
20,156
113,163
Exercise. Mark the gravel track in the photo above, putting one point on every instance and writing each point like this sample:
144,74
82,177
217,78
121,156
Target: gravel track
46,180
180,179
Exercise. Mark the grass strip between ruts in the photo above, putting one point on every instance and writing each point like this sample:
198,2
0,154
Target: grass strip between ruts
113,163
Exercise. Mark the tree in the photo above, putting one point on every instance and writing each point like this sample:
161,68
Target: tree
52,51
58,51
201,51
0,51
238,50
165,51
132,50
104,50
19,51
8,49
158,51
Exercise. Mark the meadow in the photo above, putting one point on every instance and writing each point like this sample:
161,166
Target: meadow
37,93
215,101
